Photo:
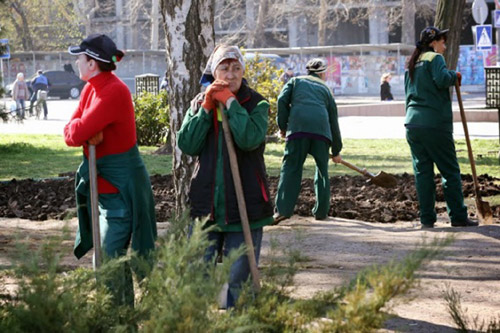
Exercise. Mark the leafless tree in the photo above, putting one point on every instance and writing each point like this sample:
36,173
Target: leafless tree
449,14
189,31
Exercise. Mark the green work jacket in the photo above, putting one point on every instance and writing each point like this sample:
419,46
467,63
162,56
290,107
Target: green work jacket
127,173
249,133
306,105
428,102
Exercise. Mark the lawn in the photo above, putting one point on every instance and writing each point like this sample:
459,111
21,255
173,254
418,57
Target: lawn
42,156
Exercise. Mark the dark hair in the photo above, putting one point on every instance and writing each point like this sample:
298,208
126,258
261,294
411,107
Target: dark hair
421,48
103,66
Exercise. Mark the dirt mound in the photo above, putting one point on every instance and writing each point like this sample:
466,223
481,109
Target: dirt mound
352,197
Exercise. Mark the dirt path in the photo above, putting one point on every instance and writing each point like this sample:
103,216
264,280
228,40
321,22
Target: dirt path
336,249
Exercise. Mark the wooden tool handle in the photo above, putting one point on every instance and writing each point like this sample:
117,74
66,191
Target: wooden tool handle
467,140
355,168
241,200
94,203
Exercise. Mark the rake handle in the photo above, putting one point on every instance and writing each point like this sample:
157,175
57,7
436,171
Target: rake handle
467,140
94,203
242,208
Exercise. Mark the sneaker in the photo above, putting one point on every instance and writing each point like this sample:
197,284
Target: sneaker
319,218
427,226
466,223
278,218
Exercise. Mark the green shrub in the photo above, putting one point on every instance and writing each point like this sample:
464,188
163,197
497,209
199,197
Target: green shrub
263,77
180,293
152,118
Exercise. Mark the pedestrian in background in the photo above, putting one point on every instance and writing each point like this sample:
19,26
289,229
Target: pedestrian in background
287,75
385,87
20,94
39,83
212,191
307,117
429,128
105,118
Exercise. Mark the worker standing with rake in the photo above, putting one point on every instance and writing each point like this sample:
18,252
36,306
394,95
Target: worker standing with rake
105,118
214,187
429,128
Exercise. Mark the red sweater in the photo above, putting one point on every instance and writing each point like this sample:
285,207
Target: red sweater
105,105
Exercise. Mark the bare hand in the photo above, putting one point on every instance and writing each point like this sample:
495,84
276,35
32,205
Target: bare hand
96,139
283,133
337,159
196,102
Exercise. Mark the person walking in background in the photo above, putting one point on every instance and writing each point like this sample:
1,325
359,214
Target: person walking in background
212,192
40,82
307,117
429,128
385,87
287,75
20,94
105,118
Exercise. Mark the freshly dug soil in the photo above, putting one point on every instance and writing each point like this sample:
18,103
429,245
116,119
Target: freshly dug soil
352,198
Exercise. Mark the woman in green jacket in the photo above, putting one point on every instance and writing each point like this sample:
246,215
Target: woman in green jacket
429,128
307,117
212,192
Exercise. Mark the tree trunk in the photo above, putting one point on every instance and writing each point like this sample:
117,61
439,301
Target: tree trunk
190,36
154,25
250,22
24,29
408,22
449,15
261,23
322,17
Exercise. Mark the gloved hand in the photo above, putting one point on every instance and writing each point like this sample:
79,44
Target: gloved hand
459,78
209,103
223,95
96,139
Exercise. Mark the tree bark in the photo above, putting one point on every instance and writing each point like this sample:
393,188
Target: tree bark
322,23
190,36
27,40
408,22
449,14
154,24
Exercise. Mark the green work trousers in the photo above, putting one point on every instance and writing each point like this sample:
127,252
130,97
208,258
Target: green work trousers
429,147
296,151
115,223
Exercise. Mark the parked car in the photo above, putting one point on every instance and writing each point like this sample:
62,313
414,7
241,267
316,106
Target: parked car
62,84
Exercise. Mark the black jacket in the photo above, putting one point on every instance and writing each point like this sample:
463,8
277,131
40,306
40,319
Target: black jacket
252,172
385,92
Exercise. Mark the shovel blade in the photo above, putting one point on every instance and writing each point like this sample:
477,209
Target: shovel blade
484,212
384,180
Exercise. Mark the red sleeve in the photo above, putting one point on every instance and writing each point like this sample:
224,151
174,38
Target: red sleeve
101,111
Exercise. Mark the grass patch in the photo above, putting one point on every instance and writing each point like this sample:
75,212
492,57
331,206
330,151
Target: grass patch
41,156
390,155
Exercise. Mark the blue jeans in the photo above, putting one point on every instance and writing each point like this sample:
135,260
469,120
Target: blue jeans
20,107
240,270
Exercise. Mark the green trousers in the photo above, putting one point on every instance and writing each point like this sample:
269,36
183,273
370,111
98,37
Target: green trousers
429,147
115,223
296,151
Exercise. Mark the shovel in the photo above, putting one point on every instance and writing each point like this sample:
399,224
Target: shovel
380,179
241,200
483,207
94,204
